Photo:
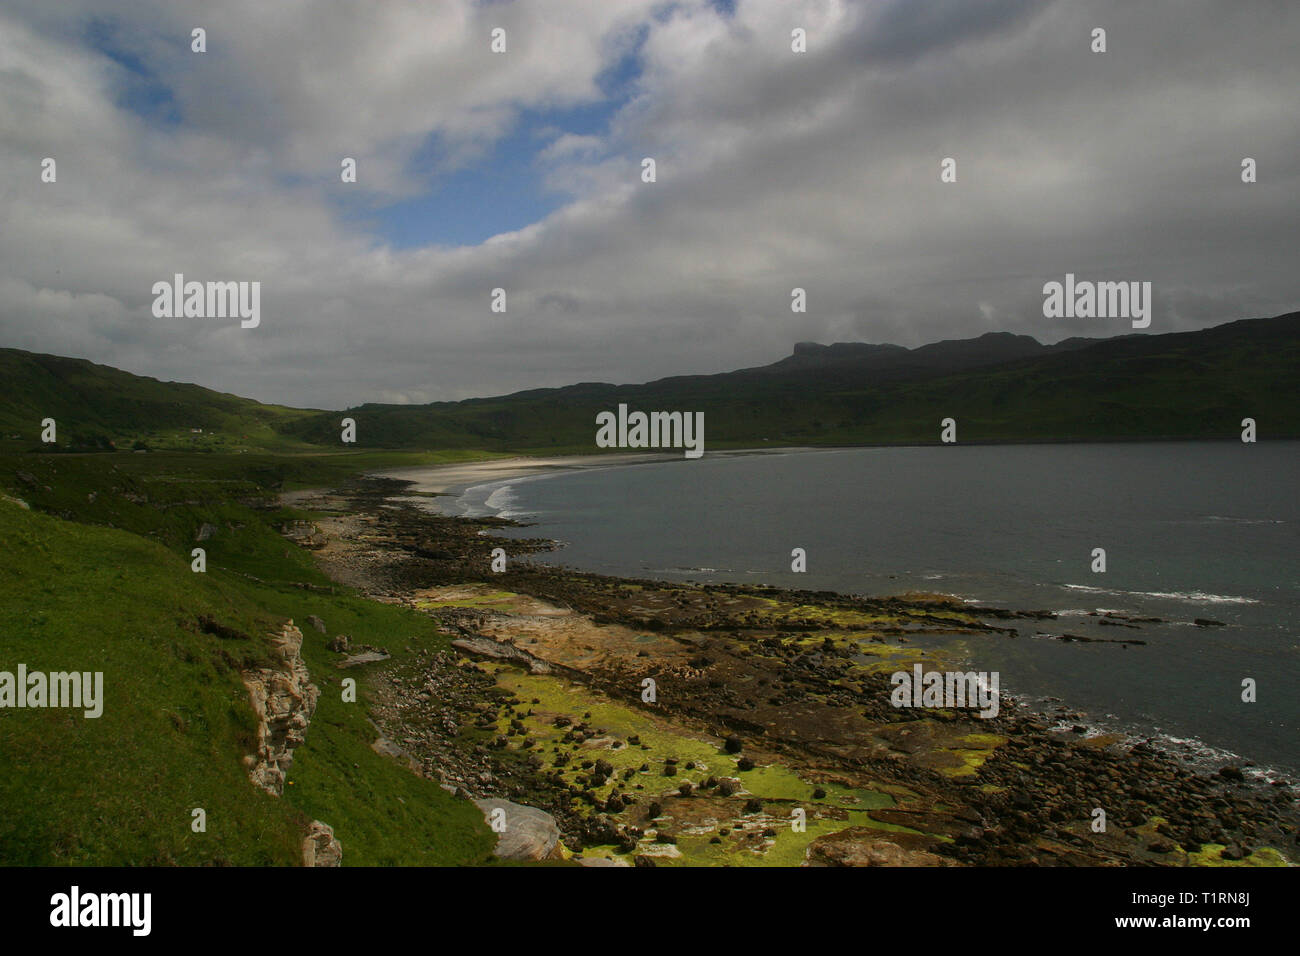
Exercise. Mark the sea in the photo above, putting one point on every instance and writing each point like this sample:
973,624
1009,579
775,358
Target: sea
1189,530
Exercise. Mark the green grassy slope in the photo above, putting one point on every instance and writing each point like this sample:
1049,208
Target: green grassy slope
78,594
94,405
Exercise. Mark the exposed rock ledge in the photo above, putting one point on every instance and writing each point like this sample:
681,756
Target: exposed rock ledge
861,846
501,650
284,700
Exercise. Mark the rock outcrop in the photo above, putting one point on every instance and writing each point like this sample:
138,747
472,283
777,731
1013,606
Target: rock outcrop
319,846
862,846
529,834
304,534
502,651
284,700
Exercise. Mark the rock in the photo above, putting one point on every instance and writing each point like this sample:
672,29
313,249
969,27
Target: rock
1232,852
857,846
319,846
1207,622
206,531
365,657
284,700
316,622
530,834
305,534
340,644
501,650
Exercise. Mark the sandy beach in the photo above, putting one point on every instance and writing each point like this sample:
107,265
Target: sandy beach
453,478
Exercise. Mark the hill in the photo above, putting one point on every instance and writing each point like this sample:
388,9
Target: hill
998,386
95,575
97,408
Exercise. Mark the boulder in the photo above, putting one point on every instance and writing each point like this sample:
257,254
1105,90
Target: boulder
530,834
319,846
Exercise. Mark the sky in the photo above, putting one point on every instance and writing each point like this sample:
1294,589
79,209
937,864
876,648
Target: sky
522,170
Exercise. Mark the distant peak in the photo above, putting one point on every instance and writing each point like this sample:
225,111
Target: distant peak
842,348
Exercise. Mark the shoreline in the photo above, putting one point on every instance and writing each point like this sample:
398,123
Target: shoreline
452,481
565,460
1018,791
455,478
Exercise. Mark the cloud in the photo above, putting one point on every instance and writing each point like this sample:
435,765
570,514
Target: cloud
775,170
570,145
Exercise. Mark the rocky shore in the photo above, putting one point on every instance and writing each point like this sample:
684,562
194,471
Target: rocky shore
660,723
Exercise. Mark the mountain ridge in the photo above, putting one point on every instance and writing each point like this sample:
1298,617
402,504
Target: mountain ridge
1008,386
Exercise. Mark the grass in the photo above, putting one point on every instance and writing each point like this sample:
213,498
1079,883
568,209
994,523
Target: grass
96,577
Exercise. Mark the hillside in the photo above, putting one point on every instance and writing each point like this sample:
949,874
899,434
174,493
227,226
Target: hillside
95,575
998,386
97,407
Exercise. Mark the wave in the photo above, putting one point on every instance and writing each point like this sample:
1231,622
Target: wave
1193,751
1244,520
1193,597
502,501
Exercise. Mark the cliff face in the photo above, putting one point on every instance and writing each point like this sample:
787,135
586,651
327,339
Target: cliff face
284,700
